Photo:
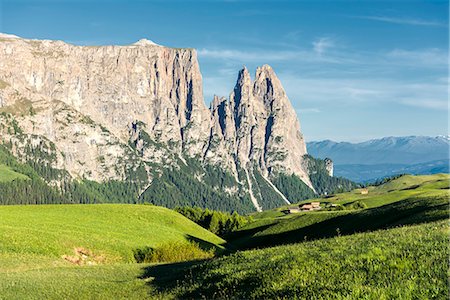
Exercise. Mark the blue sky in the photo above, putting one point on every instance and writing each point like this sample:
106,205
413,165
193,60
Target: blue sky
353,70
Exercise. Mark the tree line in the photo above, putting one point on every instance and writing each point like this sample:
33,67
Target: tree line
218,222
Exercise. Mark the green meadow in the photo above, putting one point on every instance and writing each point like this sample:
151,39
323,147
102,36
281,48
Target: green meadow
401,263
393,246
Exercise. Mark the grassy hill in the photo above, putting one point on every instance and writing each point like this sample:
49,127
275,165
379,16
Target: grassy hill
395,190
36,241
399,263
405,200
108,230
392,246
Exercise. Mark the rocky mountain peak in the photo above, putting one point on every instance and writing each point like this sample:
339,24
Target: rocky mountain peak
8,36
267,85
145,42
261,125
150,99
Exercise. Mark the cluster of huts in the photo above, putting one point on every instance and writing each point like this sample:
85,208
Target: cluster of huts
305,207
316,205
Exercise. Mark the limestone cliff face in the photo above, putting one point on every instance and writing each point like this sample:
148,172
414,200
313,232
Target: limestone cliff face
259,126
329,165
109,109
115,85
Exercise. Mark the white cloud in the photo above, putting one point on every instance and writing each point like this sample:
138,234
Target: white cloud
322,44
431,57
404,21
269,56
324,50
427,103
367,92
307,110
248,56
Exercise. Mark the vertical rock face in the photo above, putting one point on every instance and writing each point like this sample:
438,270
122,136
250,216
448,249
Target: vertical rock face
329,166
260,125
110,108
115,85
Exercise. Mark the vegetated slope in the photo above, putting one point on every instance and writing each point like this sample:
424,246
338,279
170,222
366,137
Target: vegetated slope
398,263
392,263
8,175
193,184
174,187
38,241
109,231
405,200
394,190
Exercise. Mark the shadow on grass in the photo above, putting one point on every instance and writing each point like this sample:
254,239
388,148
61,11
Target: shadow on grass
194,285
406,212
204,245
165,277
236,239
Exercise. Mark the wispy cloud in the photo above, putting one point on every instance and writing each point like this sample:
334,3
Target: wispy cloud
325,51
306,110
322,44
268,56
368,92
427,103
240,55
433,56
403,21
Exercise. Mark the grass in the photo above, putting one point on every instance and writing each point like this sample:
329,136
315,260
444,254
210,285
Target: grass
8,175
394,249
396,190
35,239
47,281
109,231
400,202
399,263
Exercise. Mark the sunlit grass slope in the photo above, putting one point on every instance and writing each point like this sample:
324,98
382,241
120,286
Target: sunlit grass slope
395,248
107,230
406,200
34,239
399,263
404,187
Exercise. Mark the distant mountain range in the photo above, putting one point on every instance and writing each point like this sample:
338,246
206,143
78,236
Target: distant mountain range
387,156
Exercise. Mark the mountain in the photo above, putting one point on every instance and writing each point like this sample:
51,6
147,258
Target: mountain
387,150
370,173
129,124
370,160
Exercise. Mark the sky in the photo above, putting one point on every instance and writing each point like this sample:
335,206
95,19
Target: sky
353,70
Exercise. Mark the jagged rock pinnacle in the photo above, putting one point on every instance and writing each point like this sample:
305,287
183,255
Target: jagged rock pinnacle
141,91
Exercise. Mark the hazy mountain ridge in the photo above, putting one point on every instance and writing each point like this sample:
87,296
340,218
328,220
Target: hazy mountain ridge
371,173
387,156
396,150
